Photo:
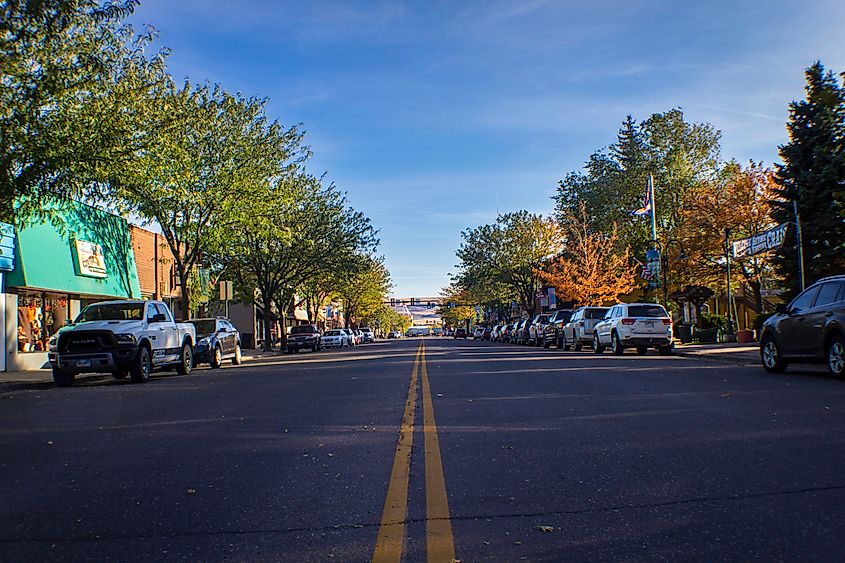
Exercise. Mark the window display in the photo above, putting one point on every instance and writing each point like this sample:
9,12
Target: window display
40,316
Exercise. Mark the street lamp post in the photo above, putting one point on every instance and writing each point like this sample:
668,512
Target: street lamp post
664,265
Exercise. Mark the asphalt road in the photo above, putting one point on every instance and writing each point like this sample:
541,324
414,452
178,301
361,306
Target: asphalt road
490,452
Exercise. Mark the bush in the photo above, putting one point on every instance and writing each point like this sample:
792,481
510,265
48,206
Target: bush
712,321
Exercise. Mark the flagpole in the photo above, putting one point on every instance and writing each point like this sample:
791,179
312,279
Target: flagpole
653,210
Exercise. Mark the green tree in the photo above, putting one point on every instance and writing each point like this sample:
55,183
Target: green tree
813,177
74,78
501,259
363,288
207,159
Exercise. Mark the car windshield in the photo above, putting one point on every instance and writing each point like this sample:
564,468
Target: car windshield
303,329
646,311
543,319
112,312
204,326
595,313
333,333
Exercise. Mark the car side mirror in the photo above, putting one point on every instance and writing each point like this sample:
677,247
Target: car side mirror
782,309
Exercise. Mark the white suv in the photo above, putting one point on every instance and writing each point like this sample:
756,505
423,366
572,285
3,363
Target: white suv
634,325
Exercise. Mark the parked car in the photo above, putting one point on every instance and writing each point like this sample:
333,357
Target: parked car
122,338
553,333
507,333
521,332
487,333
368,335
460,333
335,338
217,340
494,334
578,331
359,336
394,334
437,331
477,333
810,329
634,325
536,329
304,336
350,334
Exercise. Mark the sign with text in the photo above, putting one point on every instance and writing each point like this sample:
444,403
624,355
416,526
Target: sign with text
227,292
89,259
7,247
758,244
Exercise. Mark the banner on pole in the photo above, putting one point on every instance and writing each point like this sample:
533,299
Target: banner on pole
758,244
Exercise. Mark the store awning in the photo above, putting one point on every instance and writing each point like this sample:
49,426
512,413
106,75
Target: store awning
92,257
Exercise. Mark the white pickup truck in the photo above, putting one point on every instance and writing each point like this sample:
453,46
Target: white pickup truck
122,338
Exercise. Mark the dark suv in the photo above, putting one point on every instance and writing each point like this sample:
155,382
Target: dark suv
553,333
810,329
304,336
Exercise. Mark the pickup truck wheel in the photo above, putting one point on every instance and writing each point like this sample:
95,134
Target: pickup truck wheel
186,360
63,378
142,366
576,346
216,357
236,359
119,374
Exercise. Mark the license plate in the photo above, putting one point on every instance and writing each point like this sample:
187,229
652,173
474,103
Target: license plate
83,363
649,324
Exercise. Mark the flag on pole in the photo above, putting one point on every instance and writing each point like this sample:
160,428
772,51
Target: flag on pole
645,208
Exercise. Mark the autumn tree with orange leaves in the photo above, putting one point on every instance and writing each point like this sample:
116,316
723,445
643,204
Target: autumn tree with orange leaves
593,269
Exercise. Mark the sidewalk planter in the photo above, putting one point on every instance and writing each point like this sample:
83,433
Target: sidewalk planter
683,332
745,336
706,335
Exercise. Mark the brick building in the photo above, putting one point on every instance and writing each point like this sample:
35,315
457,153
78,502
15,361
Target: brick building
156,268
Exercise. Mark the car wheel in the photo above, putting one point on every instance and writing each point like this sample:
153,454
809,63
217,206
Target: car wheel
546,343
314,348
836,356
564,344
616,346
186,360
63,378
142,366
770,355
120,374
597,346
216,357
576,346
236,359
642,350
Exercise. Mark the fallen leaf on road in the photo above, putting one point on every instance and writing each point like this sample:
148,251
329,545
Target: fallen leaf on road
727,395
49,442
192,491
546,529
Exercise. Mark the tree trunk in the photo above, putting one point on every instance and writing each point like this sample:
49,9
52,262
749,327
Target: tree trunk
185,295
267,346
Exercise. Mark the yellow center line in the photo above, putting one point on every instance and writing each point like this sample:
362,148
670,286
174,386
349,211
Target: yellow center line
440,546
391,534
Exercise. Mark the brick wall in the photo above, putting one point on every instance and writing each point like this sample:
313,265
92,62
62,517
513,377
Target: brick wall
155,269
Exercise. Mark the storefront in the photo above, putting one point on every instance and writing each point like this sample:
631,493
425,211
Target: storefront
57,272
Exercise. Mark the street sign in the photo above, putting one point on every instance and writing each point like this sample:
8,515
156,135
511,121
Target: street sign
652,260
226,291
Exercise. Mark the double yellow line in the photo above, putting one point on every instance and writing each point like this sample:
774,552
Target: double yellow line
391,536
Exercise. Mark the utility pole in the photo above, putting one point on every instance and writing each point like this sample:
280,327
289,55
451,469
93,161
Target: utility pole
800,243
728,252
653,209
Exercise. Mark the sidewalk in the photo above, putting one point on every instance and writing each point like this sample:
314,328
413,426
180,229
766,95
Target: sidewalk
745,354
43,378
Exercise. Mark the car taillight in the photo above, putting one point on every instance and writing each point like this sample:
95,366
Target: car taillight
628,321
667,322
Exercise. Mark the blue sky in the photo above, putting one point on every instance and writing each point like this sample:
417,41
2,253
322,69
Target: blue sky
434,115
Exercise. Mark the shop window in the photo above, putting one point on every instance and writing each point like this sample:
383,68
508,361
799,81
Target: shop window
40,316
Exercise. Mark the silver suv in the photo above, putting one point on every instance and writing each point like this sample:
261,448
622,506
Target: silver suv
634,325
579,330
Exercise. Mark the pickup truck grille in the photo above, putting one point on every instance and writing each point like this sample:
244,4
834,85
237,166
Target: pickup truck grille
85,341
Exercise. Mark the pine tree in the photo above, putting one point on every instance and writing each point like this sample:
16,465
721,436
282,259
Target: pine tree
813,176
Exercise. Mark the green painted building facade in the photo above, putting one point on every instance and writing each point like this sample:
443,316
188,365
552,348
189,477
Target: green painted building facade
59,269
